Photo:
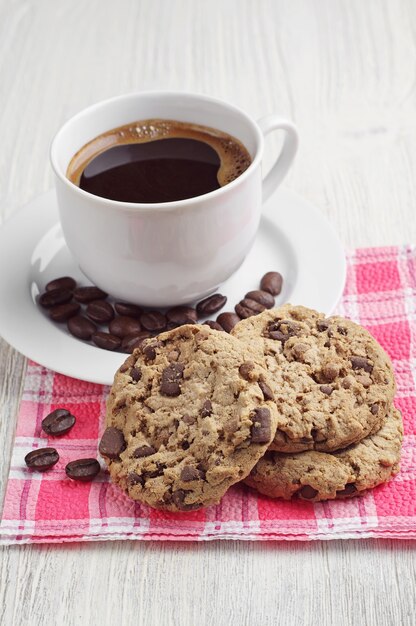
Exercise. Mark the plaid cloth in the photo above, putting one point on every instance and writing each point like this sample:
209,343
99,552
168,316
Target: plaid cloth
380,293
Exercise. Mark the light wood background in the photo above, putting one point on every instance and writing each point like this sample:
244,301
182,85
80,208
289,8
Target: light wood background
345,72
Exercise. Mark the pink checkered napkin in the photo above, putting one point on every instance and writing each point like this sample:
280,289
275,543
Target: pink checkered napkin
380,293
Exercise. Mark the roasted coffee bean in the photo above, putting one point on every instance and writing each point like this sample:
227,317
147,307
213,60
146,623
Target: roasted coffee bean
260,429
213,325
360,363
228,320
307,492
112,443
178,498
206,410
180,315
247,370
135,340
52,298
88,294
81,327
58,423
122,325
246,308
189,473
100,311
65,282
42,459
135,374
83,470
211,305
153,321
63,312
267,392
171,375
106,341
272,282
326,389
143,451
262,297
125,308
348,490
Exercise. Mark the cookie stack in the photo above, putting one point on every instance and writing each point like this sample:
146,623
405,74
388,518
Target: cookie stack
293,403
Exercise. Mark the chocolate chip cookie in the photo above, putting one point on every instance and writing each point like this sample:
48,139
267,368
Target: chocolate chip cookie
333,383
189,414
322,476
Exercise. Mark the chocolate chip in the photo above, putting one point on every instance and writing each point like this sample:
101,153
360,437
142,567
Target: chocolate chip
125,308
348,490
135,479
178,498
227,321
282,330
136,374
262,297
317,435
342,330
261,427
360,363
374,409
112,443
267,392
180,315
326,389
272,282
106,341
143,451
62,312
278,335
64,282
122,325
81,327
58,422
171,375
52,298
83,470
246,308
189,473
42,459
213,325
88,294
100,311
188,419
330,371
211,305
149,349
307,492
247,370
322,325
206,410
185,444
153,321
135,340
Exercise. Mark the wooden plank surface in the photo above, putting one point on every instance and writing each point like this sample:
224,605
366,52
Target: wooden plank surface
345,71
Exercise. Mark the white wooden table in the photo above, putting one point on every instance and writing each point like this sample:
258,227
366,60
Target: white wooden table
345,71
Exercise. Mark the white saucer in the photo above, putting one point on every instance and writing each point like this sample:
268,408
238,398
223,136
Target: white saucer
294,239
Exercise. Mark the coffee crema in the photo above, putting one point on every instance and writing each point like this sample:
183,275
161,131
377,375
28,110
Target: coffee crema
157,160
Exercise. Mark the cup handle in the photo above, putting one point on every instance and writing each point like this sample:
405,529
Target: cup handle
286,156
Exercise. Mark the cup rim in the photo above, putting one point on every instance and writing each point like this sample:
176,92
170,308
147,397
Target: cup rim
144,206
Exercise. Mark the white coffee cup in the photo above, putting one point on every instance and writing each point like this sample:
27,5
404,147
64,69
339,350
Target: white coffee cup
173,252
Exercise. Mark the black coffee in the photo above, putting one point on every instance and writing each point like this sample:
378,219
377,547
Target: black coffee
158,161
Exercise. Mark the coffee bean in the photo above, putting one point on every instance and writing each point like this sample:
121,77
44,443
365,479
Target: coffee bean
359,362
246,308
42,459
122,325
189,473
307,492
63,312
81,327
143,451
53,298
213,325
262,297
180,315
261,428
106,341
100,311
348,490
228,320
135,340
211,305
247,370
58,423
171,375
267,392
83,470
125,308
65,282
153,321
88,294
112,443
272,282
206,410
